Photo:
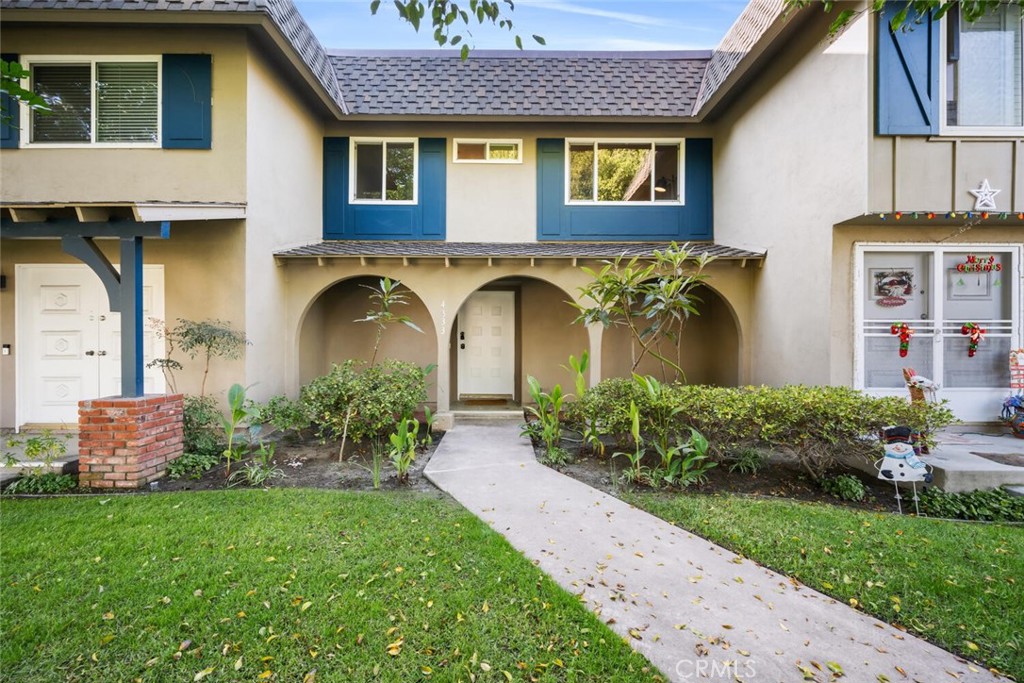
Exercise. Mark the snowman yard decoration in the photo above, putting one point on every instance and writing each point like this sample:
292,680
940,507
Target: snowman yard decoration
900,464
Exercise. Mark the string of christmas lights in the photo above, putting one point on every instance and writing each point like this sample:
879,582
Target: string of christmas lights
969,215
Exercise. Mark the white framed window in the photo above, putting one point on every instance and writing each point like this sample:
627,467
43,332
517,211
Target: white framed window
983,80
468,151
627,172
95,101
383,170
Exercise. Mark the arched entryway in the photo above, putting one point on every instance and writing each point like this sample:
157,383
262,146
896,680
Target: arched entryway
494,349
329,332
710,346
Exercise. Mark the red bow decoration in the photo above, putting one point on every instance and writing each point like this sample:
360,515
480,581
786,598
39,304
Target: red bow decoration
905,332
976,333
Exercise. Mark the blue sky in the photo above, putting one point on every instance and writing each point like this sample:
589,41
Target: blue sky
564,24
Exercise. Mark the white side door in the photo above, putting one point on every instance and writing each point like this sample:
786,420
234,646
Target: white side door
68,341
487,344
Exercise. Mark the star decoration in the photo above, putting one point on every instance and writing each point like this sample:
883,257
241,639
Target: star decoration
985,196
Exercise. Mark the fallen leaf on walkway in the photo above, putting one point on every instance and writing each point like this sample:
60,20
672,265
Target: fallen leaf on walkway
635,634
783,626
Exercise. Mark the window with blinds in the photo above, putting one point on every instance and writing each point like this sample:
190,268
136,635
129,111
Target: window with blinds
97,102
985,70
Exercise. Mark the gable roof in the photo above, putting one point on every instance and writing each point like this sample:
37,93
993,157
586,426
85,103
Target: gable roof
520,83
282,14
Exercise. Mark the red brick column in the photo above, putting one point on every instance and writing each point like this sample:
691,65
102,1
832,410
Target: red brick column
127,442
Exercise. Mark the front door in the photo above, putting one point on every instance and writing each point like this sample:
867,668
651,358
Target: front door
940,291
486,338
69,343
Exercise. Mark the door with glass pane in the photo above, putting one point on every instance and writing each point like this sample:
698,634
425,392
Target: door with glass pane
940,292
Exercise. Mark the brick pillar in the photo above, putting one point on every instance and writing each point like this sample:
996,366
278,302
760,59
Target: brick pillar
127,442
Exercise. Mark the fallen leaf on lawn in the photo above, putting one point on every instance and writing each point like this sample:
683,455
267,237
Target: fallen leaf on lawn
152,662
265,675
486,608
238,664
484,666
310,677
185,644
306,606
395,648
970,646
107,616
203,674
508,676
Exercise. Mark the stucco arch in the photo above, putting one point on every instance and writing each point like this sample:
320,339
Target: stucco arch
327,330
712,345
545,332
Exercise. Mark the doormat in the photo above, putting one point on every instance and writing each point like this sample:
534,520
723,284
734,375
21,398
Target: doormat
1011,459
486,401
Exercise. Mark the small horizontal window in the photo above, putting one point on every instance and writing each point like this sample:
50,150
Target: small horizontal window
488,151
383,171
624,172
96,101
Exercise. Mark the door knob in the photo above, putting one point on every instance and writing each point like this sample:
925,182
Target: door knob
101,353
90,353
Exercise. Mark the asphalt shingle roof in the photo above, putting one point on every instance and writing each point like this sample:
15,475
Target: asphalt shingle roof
398,249
504,83
282,13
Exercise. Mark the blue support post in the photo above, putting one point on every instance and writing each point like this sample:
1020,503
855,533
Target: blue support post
132,375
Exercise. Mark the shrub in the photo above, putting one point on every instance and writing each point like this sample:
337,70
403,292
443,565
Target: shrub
814,424
370,401
845,487
283,413
995,505
45,482
201,425
606,405
192,465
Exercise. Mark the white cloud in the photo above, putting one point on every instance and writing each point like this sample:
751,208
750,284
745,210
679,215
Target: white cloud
574,8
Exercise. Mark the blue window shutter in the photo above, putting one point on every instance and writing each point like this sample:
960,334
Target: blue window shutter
186,102
550,187
907,77
335,187
9,127
432,188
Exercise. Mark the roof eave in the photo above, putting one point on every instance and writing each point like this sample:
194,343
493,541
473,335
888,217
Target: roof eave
244,19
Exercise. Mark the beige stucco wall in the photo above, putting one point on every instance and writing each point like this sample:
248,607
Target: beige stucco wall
285,152
203,267
318,328
110,175
498,202
790,162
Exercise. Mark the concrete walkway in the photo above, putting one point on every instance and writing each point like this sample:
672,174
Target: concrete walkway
697,611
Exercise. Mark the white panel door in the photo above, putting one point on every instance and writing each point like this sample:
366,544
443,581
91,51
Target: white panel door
487,344
68,341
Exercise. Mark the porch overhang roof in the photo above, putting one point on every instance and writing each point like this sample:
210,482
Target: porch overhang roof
358,249
102,212
924,218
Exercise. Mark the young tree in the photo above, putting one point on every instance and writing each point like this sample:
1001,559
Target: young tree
11,76
912,10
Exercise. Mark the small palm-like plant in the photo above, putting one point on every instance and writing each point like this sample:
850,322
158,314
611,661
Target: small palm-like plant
403,446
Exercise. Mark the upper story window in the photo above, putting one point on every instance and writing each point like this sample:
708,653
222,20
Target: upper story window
384,170
488,151
112,101
984,83
630,172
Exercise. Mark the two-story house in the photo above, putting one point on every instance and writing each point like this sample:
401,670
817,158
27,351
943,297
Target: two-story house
842,185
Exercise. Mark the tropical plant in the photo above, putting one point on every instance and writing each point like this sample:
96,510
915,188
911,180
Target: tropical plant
238,413
386,295
377,452
578,368
12,74
547,410
637,472
652,298
747,461
261,470
429,419
403,446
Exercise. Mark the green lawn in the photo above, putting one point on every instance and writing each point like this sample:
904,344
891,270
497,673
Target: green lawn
960,585
254,585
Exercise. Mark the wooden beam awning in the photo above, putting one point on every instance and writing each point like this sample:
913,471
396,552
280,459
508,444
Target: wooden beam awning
114,211
123,285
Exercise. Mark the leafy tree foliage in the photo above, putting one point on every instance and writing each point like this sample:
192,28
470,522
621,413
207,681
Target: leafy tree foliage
912,10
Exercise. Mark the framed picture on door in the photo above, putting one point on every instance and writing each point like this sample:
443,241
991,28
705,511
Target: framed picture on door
891,287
